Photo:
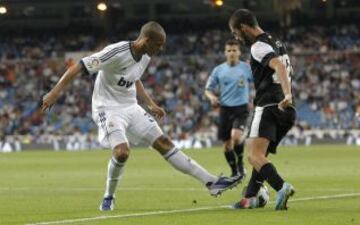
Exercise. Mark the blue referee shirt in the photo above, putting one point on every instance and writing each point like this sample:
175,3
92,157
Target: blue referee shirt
231,83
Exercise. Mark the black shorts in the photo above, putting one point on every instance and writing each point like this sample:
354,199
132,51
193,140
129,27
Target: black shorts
272,124
232,118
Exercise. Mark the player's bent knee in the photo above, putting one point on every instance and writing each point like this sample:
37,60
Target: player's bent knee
257,159
237,136
163,144
164,141
122,156
251,159
228,146
121,152
253,156
238,140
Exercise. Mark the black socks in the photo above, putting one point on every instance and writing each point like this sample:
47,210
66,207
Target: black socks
231,160
254,185
239,150
269,173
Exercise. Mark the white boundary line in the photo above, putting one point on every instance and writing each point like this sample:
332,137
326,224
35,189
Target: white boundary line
3,189
69,221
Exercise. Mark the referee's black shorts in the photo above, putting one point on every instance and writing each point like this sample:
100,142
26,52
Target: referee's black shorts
234,117
272,123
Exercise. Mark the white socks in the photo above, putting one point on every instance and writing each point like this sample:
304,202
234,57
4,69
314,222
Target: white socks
115,170
175,157
185,164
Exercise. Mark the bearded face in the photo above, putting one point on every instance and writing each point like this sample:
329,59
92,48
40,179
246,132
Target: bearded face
241,35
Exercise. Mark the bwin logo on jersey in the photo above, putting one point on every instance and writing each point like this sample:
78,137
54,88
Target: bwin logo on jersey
122,82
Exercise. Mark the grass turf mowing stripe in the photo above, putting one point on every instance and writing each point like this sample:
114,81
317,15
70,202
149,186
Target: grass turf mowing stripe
69,221
155,189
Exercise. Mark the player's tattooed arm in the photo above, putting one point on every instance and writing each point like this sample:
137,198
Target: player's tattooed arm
50,98
144,96
281,71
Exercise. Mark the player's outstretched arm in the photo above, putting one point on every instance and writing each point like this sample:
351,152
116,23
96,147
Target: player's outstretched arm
50,98
144,96
282,73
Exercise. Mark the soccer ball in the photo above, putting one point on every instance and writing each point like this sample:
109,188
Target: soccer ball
263,196
261,199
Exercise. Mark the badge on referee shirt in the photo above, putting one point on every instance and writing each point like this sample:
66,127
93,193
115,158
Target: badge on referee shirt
241,83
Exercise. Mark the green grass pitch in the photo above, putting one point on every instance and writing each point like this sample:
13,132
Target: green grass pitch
43,187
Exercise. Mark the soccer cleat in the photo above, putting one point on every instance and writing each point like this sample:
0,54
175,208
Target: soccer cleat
107,204
223,184
283,196
246,203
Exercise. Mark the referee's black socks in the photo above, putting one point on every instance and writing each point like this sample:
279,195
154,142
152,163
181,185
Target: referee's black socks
269,173
231,160
239,150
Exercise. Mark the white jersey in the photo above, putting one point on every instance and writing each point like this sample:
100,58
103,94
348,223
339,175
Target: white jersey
117,72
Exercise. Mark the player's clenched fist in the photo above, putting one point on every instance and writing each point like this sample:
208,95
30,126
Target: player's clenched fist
214,101
286,102
157,111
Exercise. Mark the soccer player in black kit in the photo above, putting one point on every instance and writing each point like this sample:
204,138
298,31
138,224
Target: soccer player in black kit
274,113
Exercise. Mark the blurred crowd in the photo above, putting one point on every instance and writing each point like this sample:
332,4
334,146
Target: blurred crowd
326,82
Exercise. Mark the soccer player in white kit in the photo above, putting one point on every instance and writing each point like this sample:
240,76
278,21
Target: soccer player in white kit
116,112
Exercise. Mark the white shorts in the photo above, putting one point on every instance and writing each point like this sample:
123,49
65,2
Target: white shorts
121,124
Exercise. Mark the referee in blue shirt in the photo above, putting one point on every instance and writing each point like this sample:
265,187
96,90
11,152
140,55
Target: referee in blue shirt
228,87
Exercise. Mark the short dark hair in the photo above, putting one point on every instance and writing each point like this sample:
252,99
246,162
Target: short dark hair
232,42
243,16
152,29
